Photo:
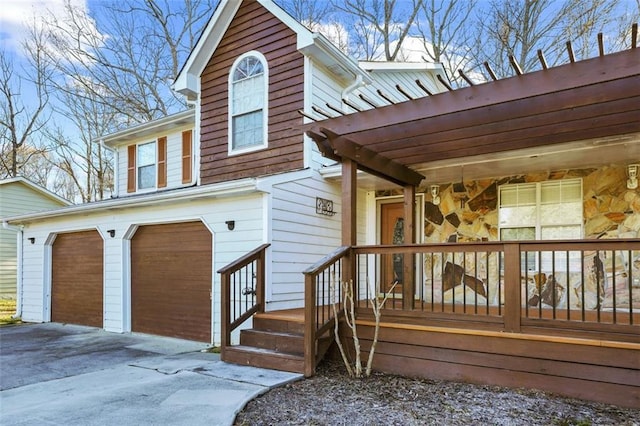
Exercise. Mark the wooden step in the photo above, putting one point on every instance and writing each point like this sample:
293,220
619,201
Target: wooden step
264,358
292,343
266,322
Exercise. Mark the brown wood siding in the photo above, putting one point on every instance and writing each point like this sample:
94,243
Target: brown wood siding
186,156
171,281
162,162
253,28
602,373
131,168
77,279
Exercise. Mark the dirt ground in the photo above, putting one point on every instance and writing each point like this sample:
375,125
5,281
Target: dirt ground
332,398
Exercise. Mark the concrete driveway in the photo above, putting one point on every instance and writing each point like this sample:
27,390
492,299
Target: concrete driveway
56,374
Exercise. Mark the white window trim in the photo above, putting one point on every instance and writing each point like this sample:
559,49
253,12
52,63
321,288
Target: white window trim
155,163
265,108
538,203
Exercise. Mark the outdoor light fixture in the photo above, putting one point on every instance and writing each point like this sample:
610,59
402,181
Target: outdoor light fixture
435,198
231,224
632,171
112,232
32,240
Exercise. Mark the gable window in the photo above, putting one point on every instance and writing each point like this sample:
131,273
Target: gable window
248,103
147,165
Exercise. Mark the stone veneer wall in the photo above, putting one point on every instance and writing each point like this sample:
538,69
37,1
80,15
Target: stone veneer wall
469,211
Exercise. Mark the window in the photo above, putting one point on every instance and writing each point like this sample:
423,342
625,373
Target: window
248,103
545,210
147,165
542,211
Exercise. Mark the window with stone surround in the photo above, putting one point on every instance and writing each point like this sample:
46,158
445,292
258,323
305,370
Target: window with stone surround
550,210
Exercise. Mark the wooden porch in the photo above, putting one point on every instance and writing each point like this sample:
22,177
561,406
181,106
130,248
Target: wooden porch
577,342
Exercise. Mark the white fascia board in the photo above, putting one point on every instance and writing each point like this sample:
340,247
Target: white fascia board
326,53
186,82
400,66
224,189
152,127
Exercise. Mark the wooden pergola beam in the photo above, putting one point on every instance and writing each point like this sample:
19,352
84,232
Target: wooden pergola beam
368,160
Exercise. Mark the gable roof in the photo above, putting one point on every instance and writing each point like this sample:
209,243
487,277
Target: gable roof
149,128
35,188
308,43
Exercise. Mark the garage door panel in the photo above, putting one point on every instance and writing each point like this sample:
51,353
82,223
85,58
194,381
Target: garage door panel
171,280
77,279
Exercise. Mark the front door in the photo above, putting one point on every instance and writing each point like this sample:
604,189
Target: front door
392,232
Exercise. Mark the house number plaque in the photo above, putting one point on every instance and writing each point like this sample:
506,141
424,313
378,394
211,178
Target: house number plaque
324,207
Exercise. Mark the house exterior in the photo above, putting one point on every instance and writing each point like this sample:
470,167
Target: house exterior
19,195
198,189
502,219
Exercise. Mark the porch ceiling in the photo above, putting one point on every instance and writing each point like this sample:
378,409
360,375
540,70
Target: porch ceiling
579,114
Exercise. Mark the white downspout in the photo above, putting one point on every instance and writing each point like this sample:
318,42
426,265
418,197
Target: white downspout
116,165
19,253
353,86
195,142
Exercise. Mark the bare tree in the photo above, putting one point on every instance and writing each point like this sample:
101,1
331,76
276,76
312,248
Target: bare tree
447,30
129,62
319,16
521,28
20,124
379,27
112,75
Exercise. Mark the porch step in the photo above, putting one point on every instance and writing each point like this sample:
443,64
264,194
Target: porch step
275,323
291,343
264,358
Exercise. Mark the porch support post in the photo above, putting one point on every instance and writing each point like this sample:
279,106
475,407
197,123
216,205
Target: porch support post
349,210
512,290
408,276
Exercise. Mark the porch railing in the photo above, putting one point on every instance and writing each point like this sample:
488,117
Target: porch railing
322,286
242,292
578,284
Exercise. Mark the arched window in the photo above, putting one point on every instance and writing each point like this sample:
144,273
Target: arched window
248,103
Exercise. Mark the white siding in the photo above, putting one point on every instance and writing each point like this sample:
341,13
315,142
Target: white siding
386,81
16,198
300,236
227,246
174,160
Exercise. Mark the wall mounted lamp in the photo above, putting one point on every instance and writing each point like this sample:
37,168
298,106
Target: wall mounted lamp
435,197
112,232
231,224
632,172
32,240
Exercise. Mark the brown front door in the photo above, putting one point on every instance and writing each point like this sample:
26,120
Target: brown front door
392,232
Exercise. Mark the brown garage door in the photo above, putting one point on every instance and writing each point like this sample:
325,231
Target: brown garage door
77,278
171,281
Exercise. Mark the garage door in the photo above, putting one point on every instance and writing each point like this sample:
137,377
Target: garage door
77,278
171,281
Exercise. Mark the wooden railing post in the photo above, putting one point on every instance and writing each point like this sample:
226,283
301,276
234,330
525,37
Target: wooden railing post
408,259
309,324
512,297
261,280
225,315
